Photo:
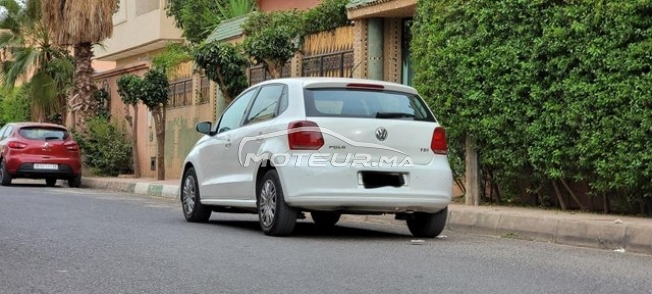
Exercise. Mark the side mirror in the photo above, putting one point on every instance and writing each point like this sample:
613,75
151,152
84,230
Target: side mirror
204,127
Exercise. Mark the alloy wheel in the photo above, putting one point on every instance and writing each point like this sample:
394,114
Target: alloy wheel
268,203
189,194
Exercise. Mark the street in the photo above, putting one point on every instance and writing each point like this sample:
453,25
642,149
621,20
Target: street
61,240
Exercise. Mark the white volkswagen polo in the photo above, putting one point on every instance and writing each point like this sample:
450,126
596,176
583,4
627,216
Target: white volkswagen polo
325,146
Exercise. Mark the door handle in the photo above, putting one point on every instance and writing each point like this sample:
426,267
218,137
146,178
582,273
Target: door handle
228,143
260,137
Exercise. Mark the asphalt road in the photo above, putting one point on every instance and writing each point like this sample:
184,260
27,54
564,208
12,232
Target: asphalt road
60,240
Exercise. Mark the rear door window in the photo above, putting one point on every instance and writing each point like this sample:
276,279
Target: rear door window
266,104
357,103
43,133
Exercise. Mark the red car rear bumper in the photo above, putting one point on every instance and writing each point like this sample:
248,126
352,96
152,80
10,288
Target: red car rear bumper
24,166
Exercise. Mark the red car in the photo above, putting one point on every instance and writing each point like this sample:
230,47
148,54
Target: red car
39,151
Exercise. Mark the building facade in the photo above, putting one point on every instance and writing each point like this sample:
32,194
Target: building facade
141,30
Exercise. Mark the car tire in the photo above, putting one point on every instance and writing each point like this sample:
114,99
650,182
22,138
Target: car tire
325,219
276,218
427,225
51,182
5,178
75,182
193,210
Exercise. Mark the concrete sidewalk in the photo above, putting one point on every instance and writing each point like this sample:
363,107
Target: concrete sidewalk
569,228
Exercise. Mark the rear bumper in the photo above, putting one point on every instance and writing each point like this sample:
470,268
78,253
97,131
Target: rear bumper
428,188
24,168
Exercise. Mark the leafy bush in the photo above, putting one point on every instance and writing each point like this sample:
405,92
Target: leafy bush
105,147
224,64
552,91
273,38
327,16
129,88
15,105
173,55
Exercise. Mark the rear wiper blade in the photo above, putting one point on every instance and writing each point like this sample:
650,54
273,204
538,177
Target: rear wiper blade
393,114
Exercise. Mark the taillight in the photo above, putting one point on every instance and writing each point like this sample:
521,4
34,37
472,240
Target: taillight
438,143
365,86
304,135
16,145
72,146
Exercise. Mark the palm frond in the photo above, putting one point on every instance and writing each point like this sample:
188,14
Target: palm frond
234,8
44,93
23,60
8,40
62,70
73,22
240,7
11,18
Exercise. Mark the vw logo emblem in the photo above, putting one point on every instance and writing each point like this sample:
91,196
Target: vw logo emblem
381,134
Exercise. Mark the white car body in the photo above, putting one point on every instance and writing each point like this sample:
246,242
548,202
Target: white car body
423,185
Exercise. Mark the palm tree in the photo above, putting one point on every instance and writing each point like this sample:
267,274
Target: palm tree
80,24
31,59
234,8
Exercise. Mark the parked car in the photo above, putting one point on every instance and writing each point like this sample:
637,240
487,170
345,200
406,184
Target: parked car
251,160
39,151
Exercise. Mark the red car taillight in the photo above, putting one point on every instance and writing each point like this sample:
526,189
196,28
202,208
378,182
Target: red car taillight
304,135
438,143
16,145
72,146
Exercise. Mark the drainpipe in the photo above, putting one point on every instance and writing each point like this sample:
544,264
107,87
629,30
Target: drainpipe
375,42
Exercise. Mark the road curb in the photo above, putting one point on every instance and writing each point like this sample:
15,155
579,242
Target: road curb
165,191
600,234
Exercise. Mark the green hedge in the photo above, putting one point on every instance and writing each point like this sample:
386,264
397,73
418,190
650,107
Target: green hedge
550,90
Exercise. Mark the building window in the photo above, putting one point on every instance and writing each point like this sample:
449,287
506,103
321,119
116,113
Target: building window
180,93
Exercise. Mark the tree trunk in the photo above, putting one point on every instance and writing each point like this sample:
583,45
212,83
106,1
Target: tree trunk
275,69
224,89
582,207
132,121
472,173
134,142
562,203
159,123
84,85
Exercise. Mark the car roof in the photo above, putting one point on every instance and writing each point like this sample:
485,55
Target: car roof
35,124
307,82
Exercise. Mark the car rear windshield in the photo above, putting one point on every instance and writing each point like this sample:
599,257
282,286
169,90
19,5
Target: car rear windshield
360,103
43,133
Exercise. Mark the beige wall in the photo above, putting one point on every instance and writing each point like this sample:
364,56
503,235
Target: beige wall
273,5
101,66
138,23
181,136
